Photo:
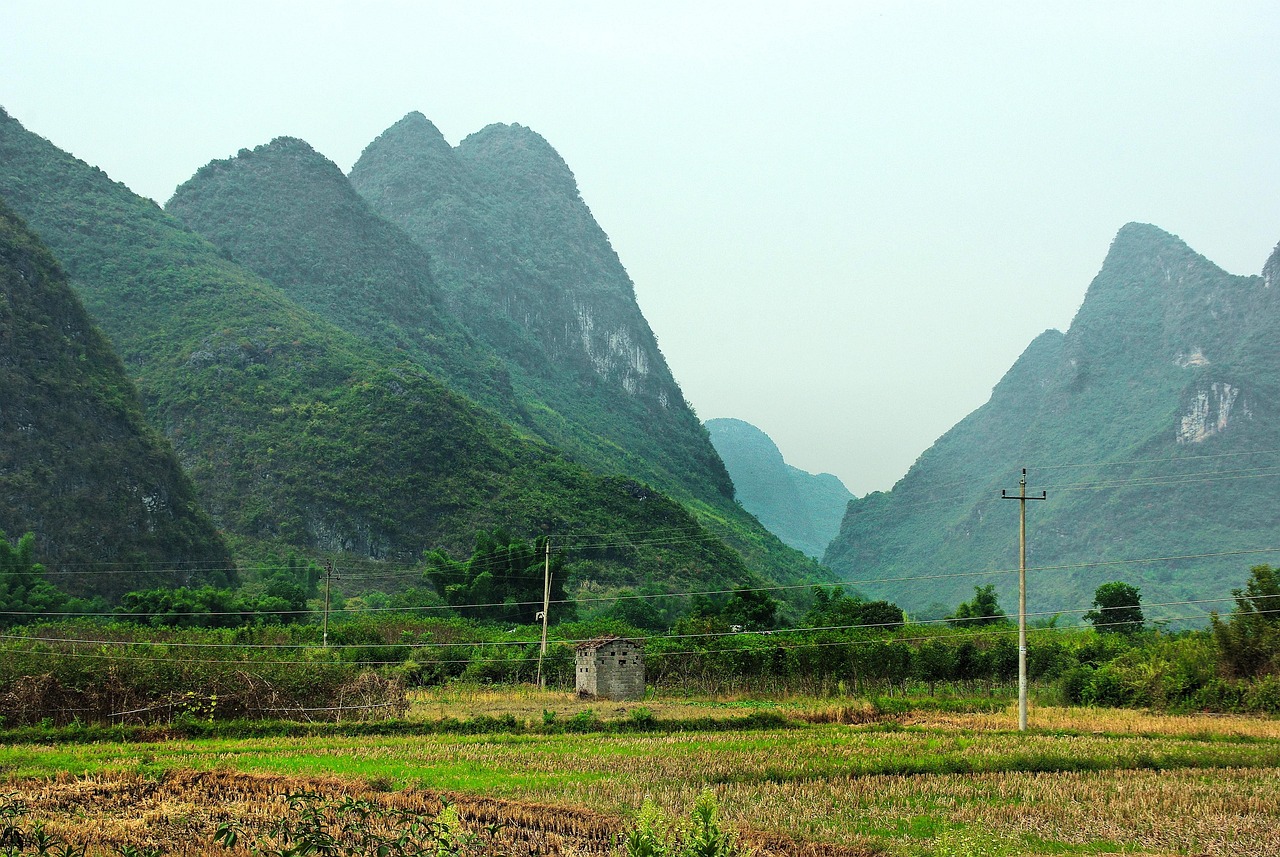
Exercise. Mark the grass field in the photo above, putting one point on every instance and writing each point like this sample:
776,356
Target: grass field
919,782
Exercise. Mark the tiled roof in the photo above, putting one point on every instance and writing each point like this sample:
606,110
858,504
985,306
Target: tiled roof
592,645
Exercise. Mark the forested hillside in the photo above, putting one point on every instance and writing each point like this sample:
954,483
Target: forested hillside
1152,424
803,509
79,466
297,433
288,214
524,265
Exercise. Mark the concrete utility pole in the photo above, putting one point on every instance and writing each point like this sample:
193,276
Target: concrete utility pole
328,574
1022,499
546,607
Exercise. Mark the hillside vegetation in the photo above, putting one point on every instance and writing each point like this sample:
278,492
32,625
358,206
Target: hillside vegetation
288,214
521,262
296,432
1152,424
79,466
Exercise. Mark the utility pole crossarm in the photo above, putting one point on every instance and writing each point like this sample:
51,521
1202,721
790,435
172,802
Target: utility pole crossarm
1022,499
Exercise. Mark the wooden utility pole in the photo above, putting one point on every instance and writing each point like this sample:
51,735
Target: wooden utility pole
1022,499
546,607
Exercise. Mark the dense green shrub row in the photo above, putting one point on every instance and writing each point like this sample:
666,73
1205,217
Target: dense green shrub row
108,672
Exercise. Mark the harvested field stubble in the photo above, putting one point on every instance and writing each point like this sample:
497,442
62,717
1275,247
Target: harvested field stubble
920,783
180,812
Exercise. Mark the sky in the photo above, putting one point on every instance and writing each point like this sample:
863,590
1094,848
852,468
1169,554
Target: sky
844,221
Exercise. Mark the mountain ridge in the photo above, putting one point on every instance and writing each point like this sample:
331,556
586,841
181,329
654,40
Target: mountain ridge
525,266
562,313
317,247
1164,376
295,432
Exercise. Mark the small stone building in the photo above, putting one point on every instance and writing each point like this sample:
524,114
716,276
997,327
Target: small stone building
610,668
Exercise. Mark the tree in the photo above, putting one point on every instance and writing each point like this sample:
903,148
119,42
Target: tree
24,593
750,609
1249,640
294,580
1118,609
184,607
648,609
834,609
502,581
984,609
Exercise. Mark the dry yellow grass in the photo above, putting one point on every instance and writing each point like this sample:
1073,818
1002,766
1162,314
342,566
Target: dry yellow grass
1110,721
527,705
834,784
180,813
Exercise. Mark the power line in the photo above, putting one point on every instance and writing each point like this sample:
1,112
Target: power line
650,596
778,637
1171,480
411,644
1157,460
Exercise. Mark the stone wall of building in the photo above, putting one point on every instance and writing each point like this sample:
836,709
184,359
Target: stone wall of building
611,669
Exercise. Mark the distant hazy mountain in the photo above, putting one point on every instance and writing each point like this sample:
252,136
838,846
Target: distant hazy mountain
299,433
1154,425
802,509
79,466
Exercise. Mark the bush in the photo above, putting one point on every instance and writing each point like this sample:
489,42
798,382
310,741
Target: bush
1107,687
1074,683
1263,695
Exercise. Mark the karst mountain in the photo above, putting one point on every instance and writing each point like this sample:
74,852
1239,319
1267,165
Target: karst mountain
1152,426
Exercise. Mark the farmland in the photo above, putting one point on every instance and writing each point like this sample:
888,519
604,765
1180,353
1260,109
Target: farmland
854,776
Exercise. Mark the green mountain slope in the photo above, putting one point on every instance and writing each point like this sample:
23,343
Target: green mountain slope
802,509
1151,424
79,466
287,213
522,263
296,432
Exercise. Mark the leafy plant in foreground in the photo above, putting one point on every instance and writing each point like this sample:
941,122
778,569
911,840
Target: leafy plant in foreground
315,824
702,836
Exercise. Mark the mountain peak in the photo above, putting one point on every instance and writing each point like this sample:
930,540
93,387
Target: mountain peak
1168,363
1141,246
1143,232
520,153
416,131
802,509
283,157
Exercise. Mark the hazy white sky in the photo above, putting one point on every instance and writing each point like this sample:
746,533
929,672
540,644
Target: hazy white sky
844,220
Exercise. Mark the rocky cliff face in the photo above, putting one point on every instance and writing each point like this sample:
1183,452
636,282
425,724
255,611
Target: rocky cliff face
1149,423
79,466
